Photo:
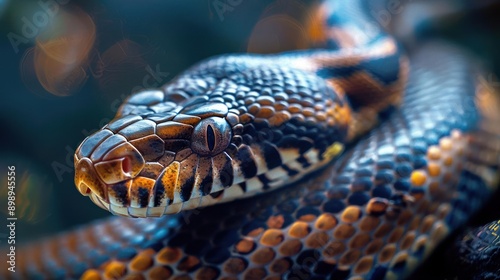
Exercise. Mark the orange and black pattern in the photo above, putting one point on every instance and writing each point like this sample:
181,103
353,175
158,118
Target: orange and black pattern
376,214
246,124
235,126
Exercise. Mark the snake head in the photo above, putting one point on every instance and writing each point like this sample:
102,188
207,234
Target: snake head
200,141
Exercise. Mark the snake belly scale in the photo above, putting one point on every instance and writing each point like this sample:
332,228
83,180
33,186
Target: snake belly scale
418,163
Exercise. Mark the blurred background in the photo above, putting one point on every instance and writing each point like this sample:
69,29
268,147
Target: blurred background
67,65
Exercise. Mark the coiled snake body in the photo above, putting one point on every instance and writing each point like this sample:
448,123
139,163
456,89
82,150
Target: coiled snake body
239,125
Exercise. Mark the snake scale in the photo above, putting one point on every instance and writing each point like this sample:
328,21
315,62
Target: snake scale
412,161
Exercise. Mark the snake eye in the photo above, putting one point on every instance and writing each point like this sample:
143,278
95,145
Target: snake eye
211,136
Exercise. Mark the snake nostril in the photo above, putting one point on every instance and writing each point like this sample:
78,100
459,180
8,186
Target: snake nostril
126,165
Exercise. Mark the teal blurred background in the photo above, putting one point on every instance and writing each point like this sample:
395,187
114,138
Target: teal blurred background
67,65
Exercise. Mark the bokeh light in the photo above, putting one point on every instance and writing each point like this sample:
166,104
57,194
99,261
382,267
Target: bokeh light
61,54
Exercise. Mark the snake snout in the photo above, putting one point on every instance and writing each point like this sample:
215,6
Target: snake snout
102,163
86,179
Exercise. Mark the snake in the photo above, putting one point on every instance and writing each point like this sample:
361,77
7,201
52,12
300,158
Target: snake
350,161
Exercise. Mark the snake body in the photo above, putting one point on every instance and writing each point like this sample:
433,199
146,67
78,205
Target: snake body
240,125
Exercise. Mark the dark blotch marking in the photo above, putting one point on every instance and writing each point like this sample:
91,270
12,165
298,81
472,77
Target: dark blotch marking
302,160
292,142
271,155
291,172
217,194
158,191
247,162
121,192
265,181
243,186
206,183
143,195
187,188
226,174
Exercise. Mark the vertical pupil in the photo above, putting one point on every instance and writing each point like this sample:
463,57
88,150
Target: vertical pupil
210,138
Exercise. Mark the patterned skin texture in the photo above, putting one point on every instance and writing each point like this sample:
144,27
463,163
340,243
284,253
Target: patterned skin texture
238,125
376,213
230,136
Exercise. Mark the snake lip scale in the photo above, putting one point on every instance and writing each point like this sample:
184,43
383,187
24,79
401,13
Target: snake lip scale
238,167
